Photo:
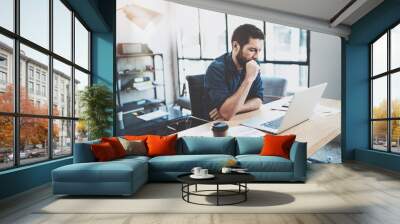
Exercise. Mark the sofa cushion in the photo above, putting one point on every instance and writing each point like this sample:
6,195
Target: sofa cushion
112,171
257,163
136,137
249,145
134,147
116,145
277,145
185,163
103,152
197,145
83,153
133,158
161,145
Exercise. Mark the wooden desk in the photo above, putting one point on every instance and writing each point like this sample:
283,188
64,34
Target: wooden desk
319,130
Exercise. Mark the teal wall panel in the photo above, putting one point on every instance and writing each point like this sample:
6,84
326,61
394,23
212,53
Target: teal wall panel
24,178
357,99
377,158
103,51
102,58
91,14
355,142
103,62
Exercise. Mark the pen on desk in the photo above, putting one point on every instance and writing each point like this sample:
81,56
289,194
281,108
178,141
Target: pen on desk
279,109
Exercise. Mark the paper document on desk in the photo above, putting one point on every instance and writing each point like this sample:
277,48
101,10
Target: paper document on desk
244,131
325,111
153,115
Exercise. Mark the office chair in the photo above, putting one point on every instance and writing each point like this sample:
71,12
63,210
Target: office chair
183,100
274,88
196,90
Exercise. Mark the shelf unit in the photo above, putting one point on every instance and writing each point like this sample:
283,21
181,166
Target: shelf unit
140,87
140,78
133,102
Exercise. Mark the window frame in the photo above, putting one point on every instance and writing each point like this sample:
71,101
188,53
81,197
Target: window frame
388,74
3,69
15,68
264,61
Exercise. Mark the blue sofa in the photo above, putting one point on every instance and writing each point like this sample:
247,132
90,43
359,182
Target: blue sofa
125,176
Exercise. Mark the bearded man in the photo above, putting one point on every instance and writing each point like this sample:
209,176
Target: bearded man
232,82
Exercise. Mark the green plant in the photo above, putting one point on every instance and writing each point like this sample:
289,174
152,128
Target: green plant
96,103
81,129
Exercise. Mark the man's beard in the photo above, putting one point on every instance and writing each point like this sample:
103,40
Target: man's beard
240,59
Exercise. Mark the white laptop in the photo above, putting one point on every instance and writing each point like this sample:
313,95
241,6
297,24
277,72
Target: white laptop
300,109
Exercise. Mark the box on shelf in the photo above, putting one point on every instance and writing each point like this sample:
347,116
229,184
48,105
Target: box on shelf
133,48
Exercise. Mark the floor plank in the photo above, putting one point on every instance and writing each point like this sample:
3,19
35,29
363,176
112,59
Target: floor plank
376,189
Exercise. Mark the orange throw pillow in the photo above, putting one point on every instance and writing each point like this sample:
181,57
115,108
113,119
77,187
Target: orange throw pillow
277,145
103,152
116,145
136,137
161,145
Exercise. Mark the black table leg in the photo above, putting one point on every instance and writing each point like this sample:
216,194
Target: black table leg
242,191
245,193
188,190
217,194
182,190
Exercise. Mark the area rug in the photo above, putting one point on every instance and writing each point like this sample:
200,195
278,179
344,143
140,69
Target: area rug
167,198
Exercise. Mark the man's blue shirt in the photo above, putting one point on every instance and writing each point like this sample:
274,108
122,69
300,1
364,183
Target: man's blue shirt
222,80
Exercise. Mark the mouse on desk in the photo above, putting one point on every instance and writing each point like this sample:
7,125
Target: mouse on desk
278,109
286,105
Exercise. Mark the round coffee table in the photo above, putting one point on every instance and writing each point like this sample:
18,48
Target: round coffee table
238,179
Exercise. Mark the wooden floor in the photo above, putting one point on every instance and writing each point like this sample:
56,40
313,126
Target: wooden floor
377,188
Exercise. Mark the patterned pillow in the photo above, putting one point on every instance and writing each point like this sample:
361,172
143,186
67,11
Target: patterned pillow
133,147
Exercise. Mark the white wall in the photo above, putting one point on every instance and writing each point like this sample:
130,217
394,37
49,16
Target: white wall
325,63
325,50
158,35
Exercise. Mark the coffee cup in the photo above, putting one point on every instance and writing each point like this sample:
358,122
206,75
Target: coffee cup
226,170
203,172
220,129
196,171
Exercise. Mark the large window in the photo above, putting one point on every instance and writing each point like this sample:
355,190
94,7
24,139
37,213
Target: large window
385,94
40,80
205,35
7,14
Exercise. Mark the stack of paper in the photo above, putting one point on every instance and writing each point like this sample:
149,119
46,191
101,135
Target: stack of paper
153,115
325,111
143,85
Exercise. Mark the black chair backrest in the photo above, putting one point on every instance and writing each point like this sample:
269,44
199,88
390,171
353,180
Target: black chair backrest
196,91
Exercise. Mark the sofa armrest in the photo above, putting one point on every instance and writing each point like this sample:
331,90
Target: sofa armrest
298,155
83,152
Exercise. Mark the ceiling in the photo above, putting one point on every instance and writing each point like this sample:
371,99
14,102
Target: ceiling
326,16
319,9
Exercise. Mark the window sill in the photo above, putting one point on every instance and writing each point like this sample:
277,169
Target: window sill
26,167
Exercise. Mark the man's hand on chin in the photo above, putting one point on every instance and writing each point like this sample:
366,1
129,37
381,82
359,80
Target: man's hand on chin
215,115
252,69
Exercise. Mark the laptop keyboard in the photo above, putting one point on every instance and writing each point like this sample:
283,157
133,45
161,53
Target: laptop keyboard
274,124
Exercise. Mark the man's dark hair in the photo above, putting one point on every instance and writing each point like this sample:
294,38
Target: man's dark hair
244,32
